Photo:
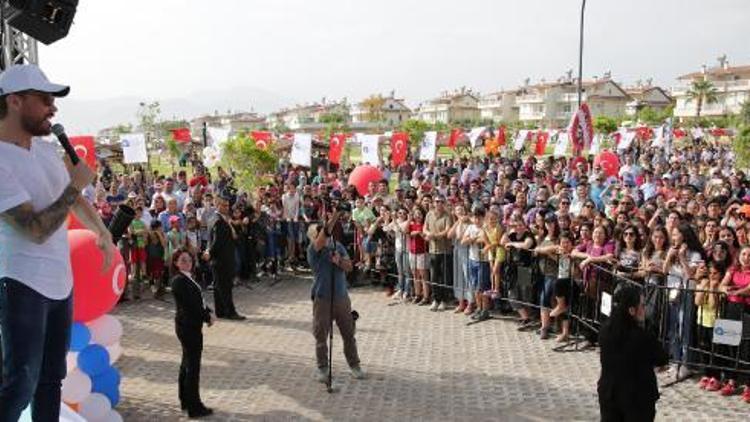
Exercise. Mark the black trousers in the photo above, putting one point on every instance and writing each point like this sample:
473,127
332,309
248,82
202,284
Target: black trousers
441,273
191,340
612,411
223,281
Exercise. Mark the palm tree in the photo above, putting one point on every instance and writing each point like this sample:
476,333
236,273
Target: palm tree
702,91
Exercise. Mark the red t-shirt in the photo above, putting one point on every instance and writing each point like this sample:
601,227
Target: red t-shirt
417,244
740,280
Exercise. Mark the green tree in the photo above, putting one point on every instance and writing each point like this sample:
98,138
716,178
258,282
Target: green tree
374,108
649,116
702,92
173,149
415,129
250,164
741,146
605,125
743,117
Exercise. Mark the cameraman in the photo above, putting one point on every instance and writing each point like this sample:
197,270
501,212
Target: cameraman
330,263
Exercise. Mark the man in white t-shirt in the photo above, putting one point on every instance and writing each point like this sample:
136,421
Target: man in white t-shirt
290,203
36,281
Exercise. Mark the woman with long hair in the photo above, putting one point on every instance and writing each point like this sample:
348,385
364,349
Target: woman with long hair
627,386
652,271
684,255
628,252
736,284
192,313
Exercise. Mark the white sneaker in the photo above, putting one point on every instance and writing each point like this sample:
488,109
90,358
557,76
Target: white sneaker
441,307
396,294
684,372
434,306
322,375
358,373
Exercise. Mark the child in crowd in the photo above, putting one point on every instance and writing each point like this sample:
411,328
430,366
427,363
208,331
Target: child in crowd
707,299
138,234
418,258
479,265
156,246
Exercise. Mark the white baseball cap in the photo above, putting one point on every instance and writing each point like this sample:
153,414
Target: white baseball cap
28,77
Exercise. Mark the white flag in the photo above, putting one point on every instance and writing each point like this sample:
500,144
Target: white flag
520,139
134,148
429,146
301,150
626,139
475,134
562,144
369,145
595,144
658,137
216,136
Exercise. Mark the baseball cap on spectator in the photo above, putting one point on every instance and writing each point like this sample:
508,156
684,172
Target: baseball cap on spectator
29,77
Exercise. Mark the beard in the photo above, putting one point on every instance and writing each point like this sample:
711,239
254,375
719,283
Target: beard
36,126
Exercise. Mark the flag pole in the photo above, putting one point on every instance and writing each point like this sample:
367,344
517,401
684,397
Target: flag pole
580,55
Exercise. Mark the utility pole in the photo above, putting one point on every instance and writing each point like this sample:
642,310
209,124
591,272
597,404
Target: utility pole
580,55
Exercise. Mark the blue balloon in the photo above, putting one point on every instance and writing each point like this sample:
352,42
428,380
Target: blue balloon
80,336
93,360
108,383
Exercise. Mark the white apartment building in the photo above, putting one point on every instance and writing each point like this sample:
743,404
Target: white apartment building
462,104
392,112
235,122
732,84
499,106
646,95
551,104
308,116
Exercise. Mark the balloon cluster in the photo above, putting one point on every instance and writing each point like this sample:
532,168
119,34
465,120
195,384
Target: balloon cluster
92,385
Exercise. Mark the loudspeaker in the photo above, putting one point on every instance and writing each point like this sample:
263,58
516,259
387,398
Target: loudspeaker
44,20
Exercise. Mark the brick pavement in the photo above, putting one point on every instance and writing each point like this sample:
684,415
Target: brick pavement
421,366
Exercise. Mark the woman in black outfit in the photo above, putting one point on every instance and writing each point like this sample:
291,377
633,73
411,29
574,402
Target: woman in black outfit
192,312
629,355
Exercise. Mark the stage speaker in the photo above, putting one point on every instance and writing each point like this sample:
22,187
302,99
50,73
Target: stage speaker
44,20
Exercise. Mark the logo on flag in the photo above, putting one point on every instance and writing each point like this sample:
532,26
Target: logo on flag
85,148
336,147
262,139
399,147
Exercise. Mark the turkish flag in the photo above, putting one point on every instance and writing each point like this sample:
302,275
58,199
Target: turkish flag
399,147
456,134
644,133
85,148
336,146
501,136
262,139
181,135
541,142
679,133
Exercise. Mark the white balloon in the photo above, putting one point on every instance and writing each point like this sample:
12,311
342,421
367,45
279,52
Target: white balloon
112,416
115,351
105,330
76,387
71,360
95,407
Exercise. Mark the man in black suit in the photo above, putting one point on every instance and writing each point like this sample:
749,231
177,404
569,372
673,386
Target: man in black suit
221,253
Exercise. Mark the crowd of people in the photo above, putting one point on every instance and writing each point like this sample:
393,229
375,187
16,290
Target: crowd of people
530,235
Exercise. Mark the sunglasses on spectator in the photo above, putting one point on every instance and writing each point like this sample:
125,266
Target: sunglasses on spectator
629,234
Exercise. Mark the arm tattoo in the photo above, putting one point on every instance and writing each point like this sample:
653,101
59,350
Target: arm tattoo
39,226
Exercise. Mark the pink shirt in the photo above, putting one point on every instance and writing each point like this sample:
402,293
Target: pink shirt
740,280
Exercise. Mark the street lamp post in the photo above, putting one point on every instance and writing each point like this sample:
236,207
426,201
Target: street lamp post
580,55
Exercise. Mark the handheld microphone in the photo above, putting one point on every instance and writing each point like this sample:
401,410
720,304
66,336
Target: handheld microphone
59,131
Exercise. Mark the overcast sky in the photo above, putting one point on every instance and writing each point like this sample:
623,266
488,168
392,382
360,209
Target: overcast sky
305,49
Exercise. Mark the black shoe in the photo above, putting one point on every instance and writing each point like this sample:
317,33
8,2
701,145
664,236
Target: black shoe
237,317
200,412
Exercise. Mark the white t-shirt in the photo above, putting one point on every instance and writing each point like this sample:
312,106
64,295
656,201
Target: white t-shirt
290,204
473,231
37,176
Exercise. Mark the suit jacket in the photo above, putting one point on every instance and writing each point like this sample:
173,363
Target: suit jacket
628,376
221,245
189,302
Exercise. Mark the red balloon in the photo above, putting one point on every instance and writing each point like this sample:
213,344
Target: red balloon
74,223
609,162
362,176
94,293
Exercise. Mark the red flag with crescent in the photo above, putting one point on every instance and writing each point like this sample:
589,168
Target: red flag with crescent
181,135
455,136
541,142
336,146
262,139
85,148
581,129
399,147
501,136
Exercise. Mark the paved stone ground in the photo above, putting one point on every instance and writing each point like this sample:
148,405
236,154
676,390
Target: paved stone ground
421,366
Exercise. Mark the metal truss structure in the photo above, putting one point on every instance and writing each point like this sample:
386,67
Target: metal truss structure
17,47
